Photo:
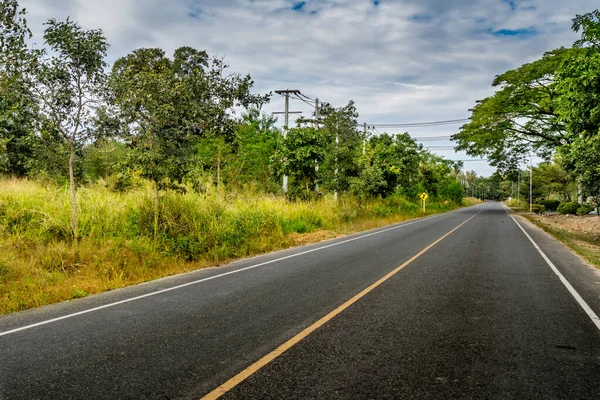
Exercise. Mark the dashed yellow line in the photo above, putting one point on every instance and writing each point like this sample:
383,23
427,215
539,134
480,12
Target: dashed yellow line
239,378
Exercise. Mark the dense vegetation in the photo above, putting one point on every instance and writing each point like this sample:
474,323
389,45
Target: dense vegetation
162,163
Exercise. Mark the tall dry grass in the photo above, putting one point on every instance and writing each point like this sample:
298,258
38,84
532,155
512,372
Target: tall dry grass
38,264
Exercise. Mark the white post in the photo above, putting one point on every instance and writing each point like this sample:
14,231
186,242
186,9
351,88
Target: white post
531,183
285,129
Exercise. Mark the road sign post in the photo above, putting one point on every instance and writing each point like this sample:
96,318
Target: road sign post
424,196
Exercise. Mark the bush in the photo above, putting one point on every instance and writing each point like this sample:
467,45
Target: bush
584,210
538,208
551,205
569,207
454,192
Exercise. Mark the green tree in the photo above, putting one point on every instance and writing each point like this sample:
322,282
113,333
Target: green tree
370,181
223,94
147,93
69,83
389,164
296,157
345,142
551,178
167,106
521,117
583,158
18,107
579,84
579,79
435,173
256,141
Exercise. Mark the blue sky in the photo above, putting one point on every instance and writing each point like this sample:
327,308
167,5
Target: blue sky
401,61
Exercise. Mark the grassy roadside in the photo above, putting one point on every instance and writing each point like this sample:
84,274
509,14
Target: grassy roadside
582,241
38,266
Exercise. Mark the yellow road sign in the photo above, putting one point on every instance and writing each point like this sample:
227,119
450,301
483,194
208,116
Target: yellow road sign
424,196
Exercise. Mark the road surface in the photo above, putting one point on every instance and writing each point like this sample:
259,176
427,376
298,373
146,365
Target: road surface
459,305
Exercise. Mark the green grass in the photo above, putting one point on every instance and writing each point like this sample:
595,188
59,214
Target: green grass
38,265
518,205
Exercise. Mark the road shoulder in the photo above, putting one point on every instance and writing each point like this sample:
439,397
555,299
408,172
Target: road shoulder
584,277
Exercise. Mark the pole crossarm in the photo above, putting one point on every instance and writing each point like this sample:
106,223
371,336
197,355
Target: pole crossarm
287,91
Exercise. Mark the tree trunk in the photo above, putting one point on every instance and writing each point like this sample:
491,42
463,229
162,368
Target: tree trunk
564,192
219,169
306,181
155,212
73,196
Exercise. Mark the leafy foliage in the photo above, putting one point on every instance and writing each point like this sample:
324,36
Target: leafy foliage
569,207
538,209
343,147
298,156
550,205
17,106
520,117
69,83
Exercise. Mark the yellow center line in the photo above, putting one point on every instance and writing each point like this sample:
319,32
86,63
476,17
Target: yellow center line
239,378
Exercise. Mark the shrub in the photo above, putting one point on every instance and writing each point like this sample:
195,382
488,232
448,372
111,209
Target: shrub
453,192
551,205
584,210
538,209
569,207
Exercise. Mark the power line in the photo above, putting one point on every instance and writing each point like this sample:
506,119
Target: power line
432,138
422,124
304,101
306,97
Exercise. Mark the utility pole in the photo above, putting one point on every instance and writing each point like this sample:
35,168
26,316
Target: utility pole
316,113
286,114
365,138
531,183
317,128
335,193
519,187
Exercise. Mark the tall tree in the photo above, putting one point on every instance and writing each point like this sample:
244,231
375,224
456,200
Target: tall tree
296,157
579,84
521,117
551,178
345,142
17,105
69,83
579,79
389,163
225,93
583,158
147,93
167,106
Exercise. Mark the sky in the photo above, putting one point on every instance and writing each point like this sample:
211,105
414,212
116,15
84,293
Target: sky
400,61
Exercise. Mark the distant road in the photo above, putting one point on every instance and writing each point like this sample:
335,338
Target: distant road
459,305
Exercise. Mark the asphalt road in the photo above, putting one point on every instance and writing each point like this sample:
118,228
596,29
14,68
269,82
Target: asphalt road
480,314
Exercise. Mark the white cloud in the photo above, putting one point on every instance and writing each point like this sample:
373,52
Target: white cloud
401,61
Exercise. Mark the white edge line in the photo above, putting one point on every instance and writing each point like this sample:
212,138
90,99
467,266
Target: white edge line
49,321
588,310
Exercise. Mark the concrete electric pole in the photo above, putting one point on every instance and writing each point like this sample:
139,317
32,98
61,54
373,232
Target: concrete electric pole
286,114
531,183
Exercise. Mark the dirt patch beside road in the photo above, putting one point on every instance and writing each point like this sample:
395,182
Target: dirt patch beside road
587,225
580,233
